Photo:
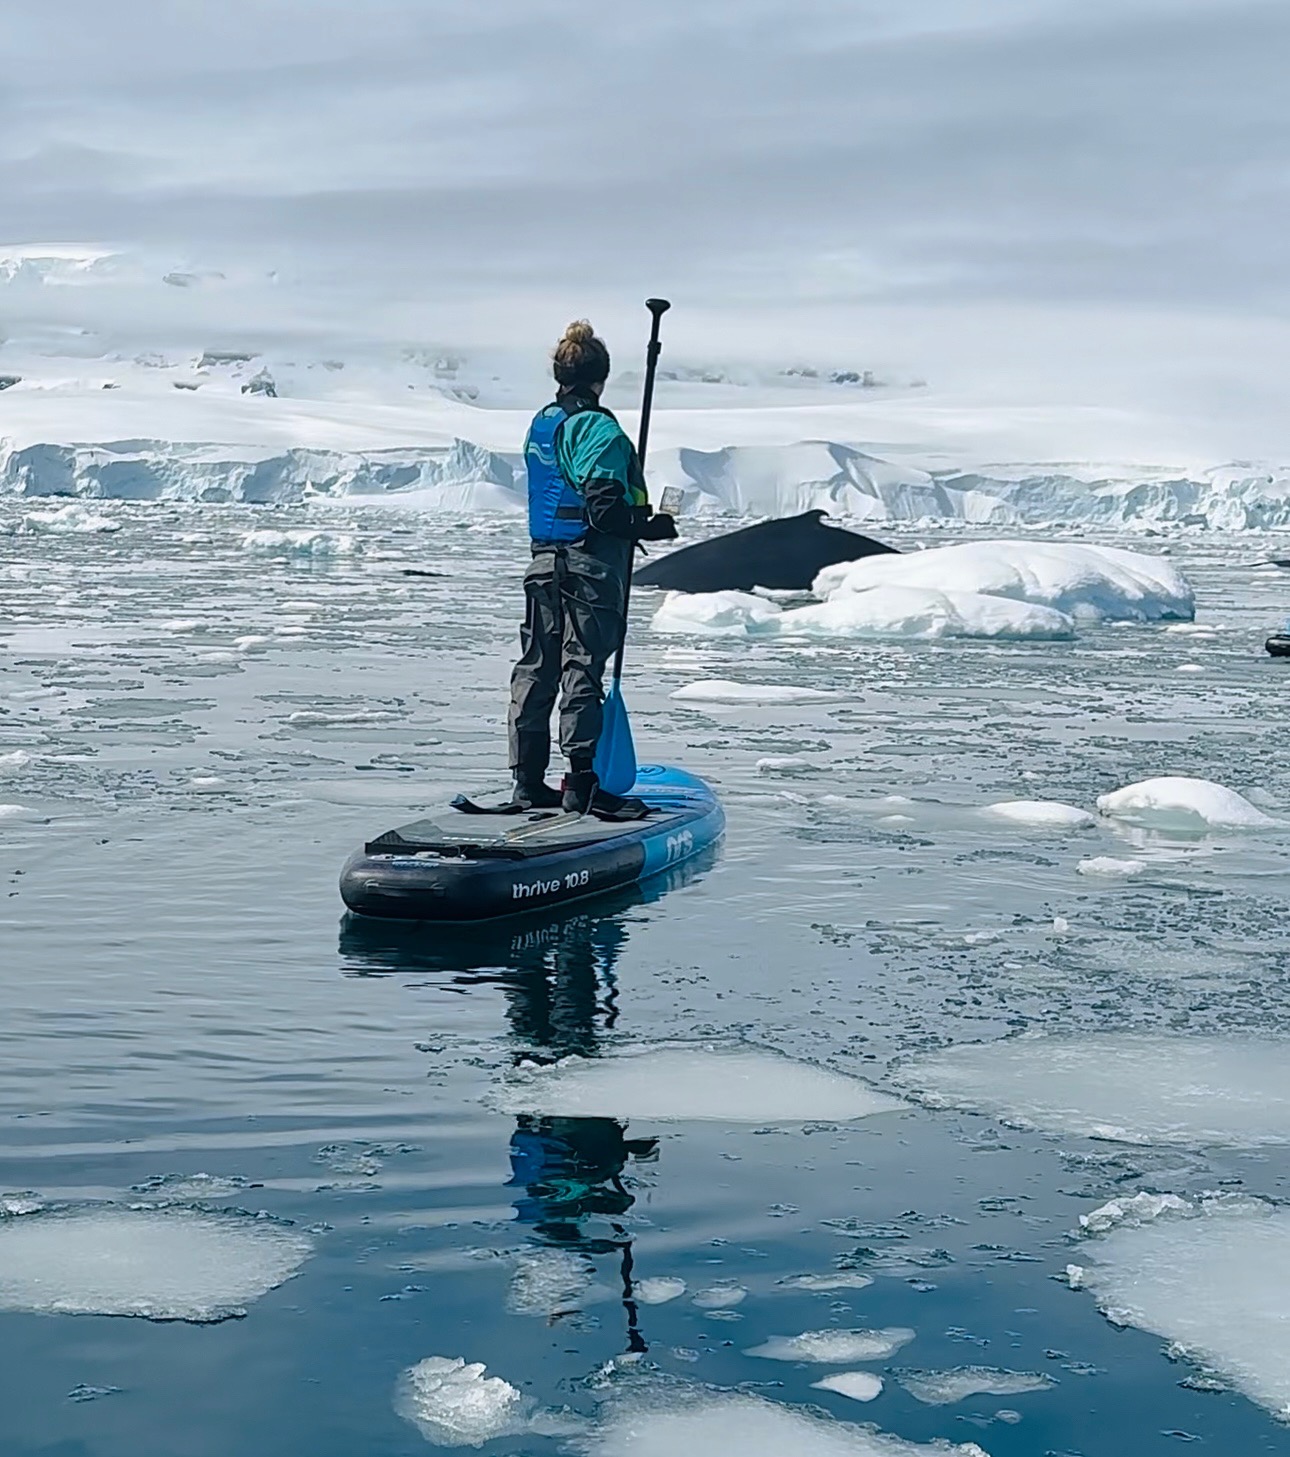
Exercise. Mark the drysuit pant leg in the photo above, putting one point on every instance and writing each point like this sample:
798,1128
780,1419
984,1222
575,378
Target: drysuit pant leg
535,680
594,589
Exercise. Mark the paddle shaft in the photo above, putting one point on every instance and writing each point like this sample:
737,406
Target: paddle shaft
657,307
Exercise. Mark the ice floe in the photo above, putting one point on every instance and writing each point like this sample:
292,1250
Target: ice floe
674,1422
658,1290
713,614
74,519
1110,868
858,1385
835,1347
1075,579
1211,1278
943,1388
164,1264
836,1280
723,690
453,1403
728,1082
1127,1087
1044,814
14,762
1176,802
720,1297
300,541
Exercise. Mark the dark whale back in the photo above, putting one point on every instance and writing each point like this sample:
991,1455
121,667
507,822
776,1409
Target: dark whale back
785,555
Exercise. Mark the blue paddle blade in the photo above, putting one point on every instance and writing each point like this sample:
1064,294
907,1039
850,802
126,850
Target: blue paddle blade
615,763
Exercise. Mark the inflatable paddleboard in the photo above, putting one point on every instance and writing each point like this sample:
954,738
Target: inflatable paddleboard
455,867
1279,645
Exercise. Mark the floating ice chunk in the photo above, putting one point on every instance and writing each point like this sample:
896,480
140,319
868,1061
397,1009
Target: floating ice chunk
942,1388
835,1348
1180,803
74,519
659,1290
1189,668
921,612
1211,1279
19,814
1140,1209
1041,814
12,763
673,1422
1072,578
858,1385
712,614
549,1282
300,541
182,625
251,642
454,1404
1127,1087
164,1264
840,1280
723,690
731,1083
1111,868
350,718
720,1297
784,764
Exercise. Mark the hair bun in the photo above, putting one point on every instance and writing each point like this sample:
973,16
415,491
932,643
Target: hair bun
580,358
579,332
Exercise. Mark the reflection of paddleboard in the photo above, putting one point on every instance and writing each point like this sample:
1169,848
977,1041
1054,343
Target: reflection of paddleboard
457,868
1279,645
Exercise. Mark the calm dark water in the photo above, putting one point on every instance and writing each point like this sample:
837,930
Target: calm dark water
182,997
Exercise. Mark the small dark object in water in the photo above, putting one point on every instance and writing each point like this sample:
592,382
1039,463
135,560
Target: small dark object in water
419,572
1279,645
783,555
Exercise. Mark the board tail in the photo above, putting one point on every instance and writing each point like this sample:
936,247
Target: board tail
615,763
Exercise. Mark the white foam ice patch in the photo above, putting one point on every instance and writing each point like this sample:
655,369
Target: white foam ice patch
1075,579
1126,1087
73,520
837,1280
1209,1277
1046,814
943,1388
1176,802
835,1347
922,613
712,614
350,718
658,1290
300,541
1110,868
678,1423
163,1264
724,690
858,1385
726,1082
453,1403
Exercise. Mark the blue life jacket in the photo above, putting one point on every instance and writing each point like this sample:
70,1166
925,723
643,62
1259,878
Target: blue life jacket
557,512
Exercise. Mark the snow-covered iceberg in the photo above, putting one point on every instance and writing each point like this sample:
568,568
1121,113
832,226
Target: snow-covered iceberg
1080,581
1177,802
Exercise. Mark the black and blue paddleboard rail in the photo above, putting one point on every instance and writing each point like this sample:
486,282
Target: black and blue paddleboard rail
464,869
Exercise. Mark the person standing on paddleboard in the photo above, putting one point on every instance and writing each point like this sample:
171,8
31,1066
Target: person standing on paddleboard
588,509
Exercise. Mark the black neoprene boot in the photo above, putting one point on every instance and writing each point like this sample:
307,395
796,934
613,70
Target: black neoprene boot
533,792
580,787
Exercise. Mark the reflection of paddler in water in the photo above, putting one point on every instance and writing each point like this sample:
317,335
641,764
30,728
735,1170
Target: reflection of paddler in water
571,1170
557,971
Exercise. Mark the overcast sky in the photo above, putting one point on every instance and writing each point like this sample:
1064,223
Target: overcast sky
966,173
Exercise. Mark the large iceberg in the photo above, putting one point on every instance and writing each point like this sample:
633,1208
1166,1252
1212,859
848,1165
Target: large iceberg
1179,802
1081,581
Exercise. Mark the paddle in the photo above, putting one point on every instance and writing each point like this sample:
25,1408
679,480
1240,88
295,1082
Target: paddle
615,762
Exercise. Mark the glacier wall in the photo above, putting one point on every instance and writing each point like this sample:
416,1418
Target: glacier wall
773,480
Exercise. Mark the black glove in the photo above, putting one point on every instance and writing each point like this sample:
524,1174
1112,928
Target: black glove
661,527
